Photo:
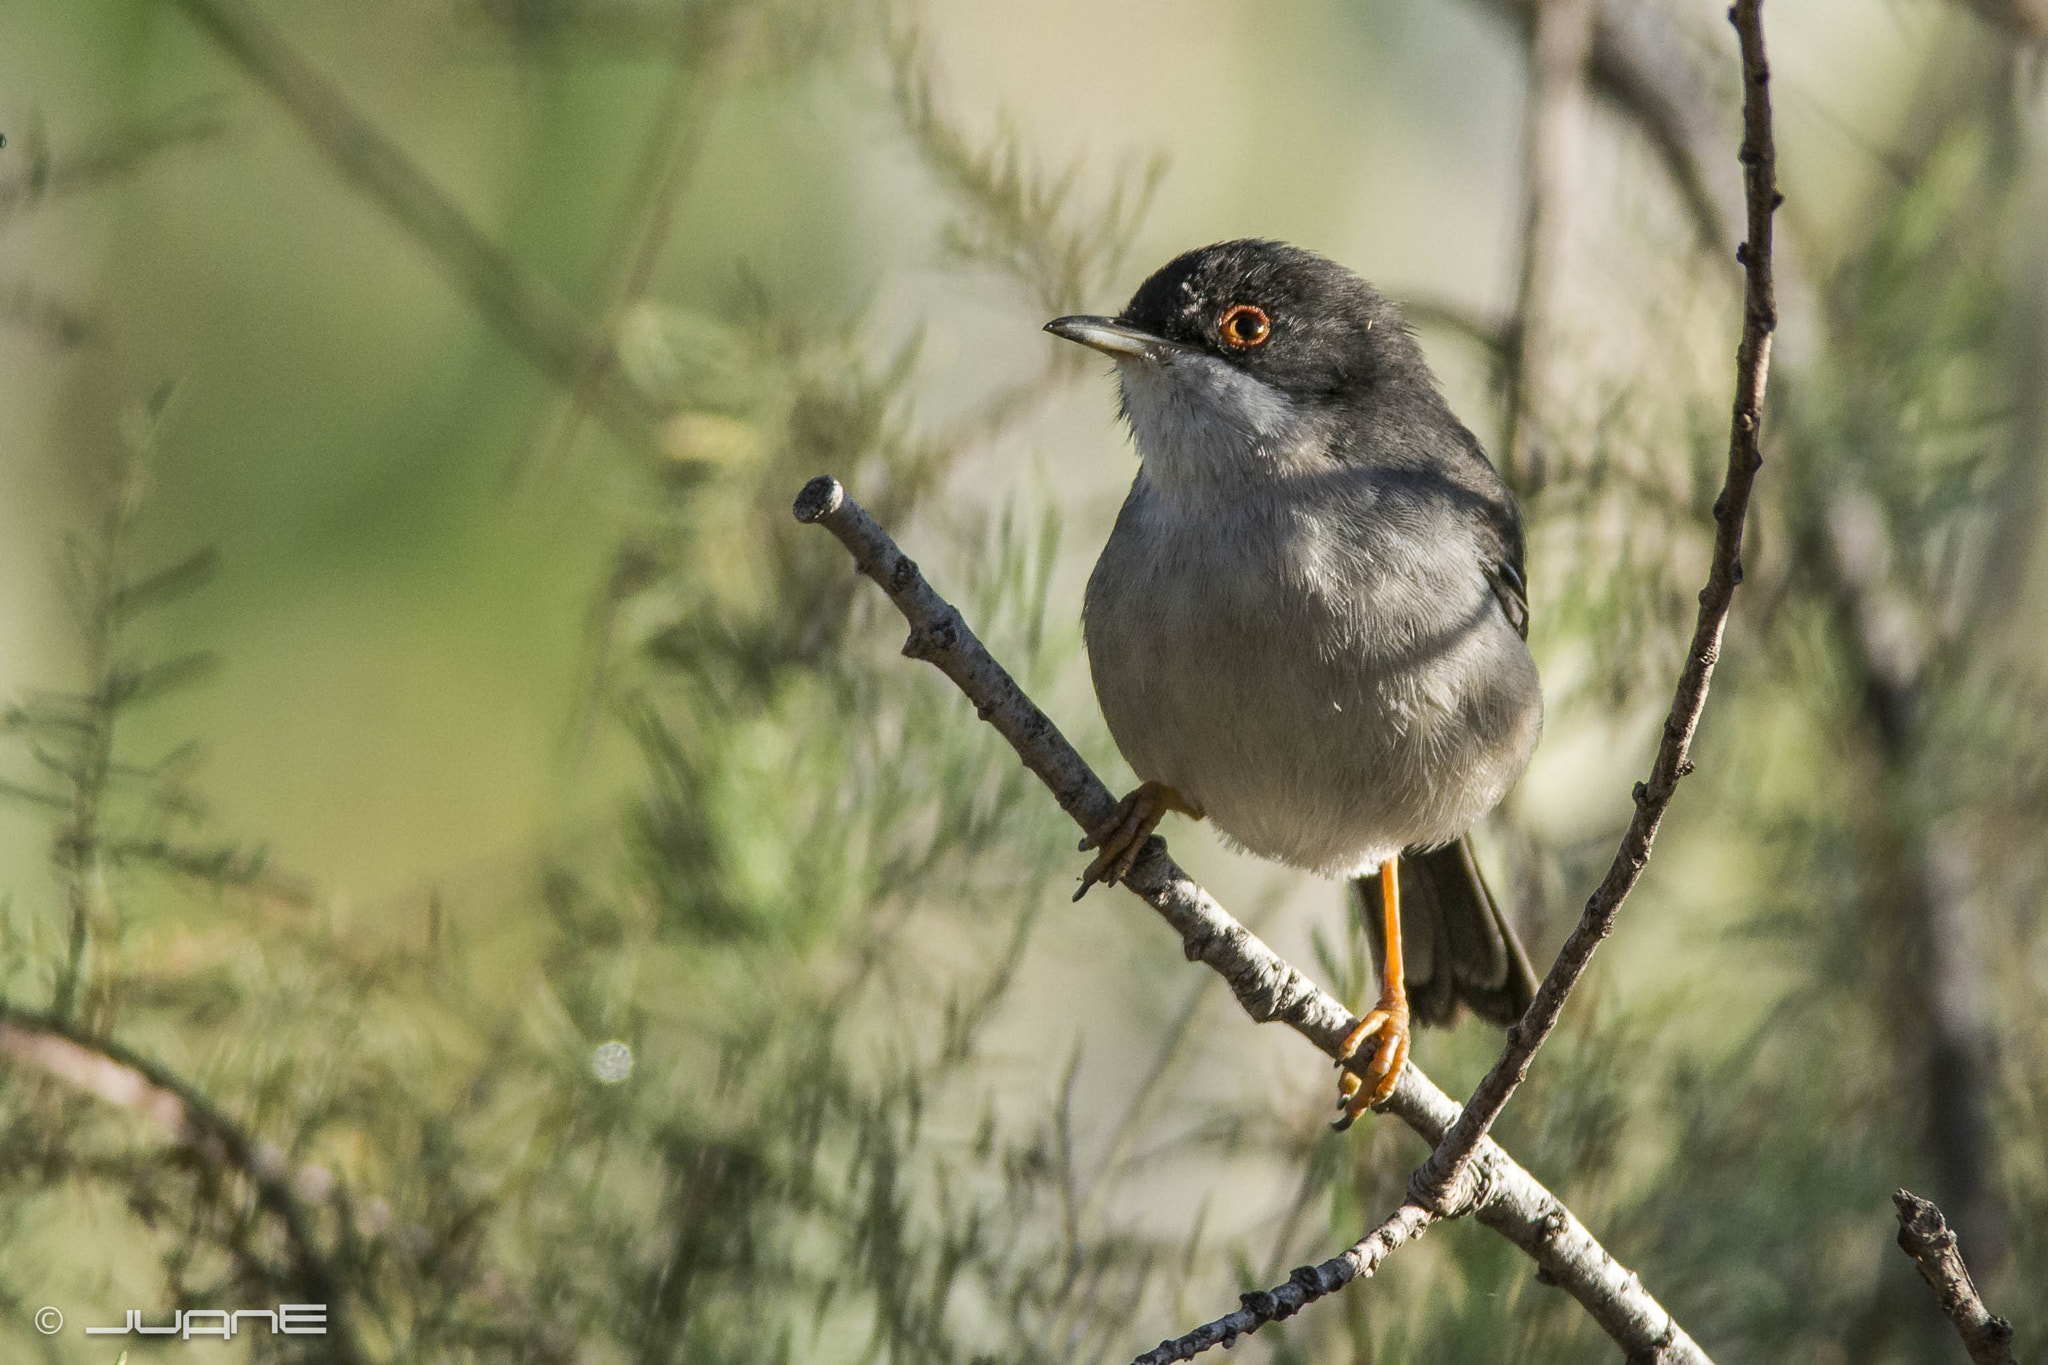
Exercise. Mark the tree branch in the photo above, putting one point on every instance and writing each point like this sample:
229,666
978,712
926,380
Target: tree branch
1924,1235
1505,1197
116,1076
1437,1181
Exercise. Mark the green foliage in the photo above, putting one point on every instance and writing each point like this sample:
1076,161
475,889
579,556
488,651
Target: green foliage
1017,217
807,1159
110,815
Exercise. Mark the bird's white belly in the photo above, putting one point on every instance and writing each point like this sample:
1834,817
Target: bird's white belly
1229,670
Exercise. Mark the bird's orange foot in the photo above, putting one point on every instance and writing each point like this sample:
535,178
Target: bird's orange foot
1122,836
1360,1089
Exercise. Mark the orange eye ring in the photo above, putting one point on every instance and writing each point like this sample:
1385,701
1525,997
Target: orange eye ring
1244,325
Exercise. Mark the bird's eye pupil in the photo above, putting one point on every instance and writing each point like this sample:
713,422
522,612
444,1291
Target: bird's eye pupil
1244,325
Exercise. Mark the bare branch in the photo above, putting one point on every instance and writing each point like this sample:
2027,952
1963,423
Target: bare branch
116,1076
1504,1196
1437,1180
1924,1235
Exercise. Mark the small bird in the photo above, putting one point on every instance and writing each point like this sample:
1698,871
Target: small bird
1309,623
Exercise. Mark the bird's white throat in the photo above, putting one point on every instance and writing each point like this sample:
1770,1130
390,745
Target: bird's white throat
1198,420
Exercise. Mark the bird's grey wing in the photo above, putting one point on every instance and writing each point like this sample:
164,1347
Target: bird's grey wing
1505,577
1463,478
1501,556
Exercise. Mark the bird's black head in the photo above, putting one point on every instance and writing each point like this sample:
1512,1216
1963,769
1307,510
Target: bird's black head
1255,359
1294,320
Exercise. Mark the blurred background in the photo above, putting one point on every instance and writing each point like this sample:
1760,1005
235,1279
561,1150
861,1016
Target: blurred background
470,859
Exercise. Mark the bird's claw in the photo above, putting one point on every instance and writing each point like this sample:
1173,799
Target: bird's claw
1361,1089
1121,838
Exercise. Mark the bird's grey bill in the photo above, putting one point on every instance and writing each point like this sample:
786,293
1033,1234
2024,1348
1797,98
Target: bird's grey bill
1110,337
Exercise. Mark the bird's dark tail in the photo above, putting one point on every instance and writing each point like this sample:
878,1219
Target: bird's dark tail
1456,948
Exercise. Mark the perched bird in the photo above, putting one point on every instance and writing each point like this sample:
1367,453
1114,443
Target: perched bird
1309,622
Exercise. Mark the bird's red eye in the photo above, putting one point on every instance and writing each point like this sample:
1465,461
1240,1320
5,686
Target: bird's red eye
1244,325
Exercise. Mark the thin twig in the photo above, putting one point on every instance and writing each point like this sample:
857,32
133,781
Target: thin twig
1435,1185
116,1076
1303,1287
1924,1235
1507,1198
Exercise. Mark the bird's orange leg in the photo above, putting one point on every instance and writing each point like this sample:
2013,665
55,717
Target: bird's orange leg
1122,836
1360,1090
